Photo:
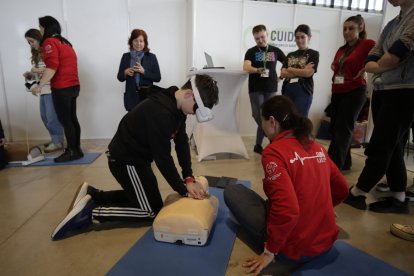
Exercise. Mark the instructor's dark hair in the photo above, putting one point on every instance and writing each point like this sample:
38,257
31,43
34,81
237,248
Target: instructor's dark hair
285,112
208,89
51,29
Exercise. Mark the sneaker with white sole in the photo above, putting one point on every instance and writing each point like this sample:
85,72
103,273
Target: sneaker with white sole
79,217
53,147
405,232
83,190
382,187
409,195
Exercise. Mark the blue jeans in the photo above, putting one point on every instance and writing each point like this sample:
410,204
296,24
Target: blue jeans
256,101
299,96
50,119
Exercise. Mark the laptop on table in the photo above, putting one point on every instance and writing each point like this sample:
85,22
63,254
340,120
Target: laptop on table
210,64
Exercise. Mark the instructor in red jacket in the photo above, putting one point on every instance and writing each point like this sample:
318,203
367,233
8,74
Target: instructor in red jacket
297,221
62,72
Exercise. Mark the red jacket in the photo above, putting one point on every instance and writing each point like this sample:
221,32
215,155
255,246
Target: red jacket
353,63
302,186
62,58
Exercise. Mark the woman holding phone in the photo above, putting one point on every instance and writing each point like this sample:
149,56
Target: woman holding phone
139,69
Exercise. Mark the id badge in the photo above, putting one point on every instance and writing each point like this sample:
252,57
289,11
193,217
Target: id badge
293,80
339,79
265,73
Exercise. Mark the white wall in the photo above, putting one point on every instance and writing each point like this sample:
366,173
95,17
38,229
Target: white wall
179,32
228,37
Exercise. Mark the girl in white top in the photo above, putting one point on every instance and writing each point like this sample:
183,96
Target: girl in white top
47,109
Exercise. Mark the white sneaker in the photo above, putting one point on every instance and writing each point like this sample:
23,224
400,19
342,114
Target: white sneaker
53,147
405,232
80,193
382,187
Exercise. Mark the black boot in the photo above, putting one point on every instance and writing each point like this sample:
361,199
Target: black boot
69,155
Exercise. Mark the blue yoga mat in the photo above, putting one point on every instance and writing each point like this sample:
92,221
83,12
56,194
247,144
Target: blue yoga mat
150,257
48,161
344,260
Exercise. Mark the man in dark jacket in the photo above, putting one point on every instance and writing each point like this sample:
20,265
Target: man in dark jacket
144,135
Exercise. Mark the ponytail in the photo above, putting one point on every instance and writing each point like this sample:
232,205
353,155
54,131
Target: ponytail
284,111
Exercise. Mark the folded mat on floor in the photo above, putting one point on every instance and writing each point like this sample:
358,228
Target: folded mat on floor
150,257
343,260
87,158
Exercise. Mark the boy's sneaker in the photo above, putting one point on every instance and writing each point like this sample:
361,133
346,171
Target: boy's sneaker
356,201
53,147
390,205
83,190
382,187
79,217
405,232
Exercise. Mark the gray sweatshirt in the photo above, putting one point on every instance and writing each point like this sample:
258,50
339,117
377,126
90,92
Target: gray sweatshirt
398,39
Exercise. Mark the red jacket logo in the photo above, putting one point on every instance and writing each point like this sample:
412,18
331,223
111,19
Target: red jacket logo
48,49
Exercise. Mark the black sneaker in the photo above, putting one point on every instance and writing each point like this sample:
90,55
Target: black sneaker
390,205
69,155
409,195
356,201
258,149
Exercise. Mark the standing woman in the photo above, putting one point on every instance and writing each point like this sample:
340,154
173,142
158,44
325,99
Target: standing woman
62,72
298,69
139,69
348,89
47,109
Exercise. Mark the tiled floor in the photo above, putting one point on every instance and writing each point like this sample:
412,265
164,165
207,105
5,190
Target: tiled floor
33,200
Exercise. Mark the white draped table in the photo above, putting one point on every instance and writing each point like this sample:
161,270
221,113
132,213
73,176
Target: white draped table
221,135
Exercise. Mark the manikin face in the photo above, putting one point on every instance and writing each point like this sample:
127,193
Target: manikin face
138,43
261,38
351,31
302,40
33,43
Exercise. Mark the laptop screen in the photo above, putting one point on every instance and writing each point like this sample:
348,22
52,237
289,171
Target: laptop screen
209,60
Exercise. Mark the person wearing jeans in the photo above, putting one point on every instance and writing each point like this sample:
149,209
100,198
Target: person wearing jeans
298,70
302,186
47,109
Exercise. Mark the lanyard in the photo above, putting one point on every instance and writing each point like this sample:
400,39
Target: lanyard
264,56
345,55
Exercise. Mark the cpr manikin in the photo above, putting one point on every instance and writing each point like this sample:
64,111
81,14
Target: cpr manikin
186,220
